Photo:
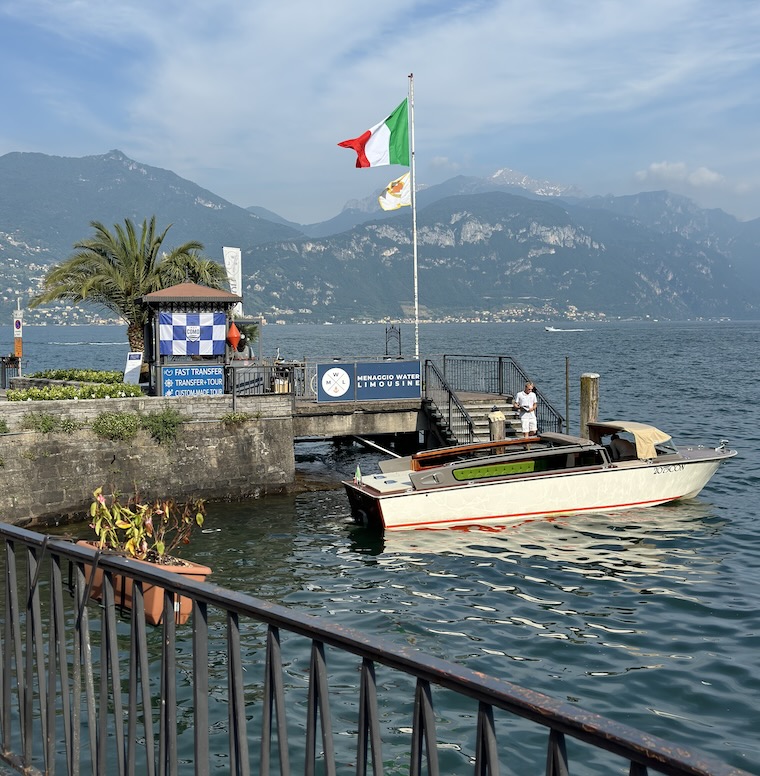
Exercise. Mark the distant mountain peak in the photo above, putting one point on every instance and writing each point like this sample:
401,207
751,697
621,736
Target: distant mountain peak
509,177
120,158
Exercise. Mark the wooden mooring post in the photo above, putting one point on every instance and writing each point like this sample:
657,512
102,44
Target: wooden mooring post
589,400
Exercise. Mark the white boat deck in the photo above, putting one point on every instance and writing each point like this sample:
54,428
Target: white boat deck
387,483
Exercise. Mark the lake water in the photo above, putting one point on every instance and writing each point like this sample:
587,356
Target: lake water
650,617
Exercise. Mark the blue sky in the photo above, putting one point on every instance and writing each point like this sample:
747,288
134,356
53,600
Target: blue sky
250,99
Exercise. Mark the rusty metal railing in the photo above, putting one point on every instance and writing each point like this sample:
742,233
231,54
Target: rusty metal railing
245,686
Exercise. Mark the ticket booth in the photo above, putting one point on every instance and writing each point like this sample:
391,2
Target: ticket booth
186,341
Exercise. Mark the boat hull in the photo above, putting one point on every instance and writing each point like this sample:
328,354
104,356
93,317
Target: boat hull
639,484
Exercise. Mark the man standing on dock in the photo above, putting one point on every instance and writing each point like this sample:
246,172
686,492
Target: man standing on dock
526,402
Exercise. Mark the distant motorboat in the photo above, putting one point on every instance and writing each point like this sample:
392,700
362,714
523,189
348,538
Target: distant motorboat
553,328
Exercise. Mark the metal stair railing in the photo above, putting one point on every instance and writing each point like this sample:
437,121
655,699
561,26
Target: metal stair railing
438,394
501,375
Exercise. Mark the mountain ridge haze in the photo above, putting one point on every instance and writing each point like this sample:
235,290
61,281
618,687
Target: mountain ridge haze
497,248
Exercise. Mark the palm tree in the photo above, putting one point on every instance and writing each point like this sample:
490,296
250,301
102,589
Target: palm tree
117,269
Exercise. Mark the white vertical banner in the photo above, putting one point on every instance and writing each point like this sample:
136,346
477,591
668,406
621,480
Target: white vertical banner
234,264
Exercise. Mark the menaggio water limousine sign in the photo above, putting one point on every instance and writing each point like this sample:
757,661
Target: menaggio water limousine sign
369,381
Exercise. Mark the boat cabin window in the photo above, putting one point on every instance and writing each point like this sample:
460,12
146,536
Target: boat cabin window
587,458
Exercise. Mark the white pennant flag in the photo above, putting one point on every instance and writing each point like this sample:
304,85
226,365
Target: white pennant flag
397,194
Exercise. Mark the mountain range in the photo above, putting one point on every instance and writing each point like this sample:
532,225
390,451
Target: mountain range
498,248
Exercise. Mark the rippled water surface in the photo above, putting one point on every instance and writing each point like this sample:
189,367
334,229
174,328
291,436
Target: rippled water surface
650,617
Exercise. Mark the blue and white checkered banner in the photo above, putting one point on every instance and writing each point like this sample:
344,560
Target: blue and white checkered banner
192,334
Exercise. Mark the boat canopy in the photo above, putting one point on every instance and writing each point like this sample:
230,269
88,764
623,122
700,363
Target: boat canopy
644,435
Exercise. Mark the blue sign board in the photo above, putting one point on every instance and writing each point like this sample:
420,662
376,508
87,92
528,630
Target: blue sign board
192,380
368,381
388,380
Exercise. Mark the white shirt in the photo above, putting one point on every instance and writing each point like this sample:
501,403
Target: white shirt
526,401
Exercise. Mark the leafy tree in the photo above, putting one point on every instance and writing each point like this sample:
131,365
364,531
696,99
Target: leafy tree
116,269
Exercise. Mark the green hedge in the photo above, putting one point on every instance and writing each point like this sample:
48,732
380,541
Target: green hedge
93,391
79,376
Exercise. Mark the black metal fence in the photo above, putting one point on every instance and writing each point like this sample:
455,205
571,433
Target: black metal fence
444,401
10,366
251,686
255,379
500,375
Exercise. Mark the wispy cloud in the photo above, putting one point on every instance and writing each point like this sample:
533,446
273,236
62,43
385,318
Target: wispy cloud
700,182
678,172
252,98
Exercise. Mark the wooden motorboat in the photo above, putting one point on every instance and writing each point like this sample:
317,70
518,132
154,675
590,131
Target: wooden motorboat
542,476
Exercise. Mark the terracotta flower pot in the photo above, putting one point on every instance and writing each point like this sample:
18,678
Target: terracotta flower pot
153,596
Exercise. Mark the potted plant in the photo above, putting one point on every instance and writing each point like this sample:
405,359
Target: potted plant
147,532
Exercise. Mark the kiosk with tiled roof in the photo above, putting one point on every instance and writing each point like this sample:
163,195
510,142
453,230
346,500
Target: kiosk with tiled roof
189,328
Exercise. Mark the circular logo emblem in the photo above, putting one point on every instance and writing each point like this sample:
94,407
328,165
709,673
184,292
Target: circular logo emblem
335,382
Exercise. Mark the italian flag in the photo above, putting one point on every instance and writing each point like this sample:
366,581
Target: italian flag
386,143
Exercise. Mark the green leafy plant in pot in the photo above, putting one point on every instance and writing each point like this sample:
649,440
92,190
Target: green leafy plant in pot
148,532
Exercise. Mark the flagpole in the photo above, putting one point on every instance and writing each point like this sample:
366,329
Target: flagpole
412,182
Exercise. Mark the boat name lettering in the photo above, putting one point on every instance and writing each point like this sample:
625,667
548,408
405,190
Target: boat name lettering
669,468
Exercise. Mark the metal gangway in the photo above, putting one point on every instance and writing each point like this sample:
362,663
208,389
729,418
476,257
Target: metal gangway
444,378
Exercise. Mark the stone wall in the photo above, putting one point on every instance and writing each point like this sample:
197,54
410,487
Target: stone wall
49,477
